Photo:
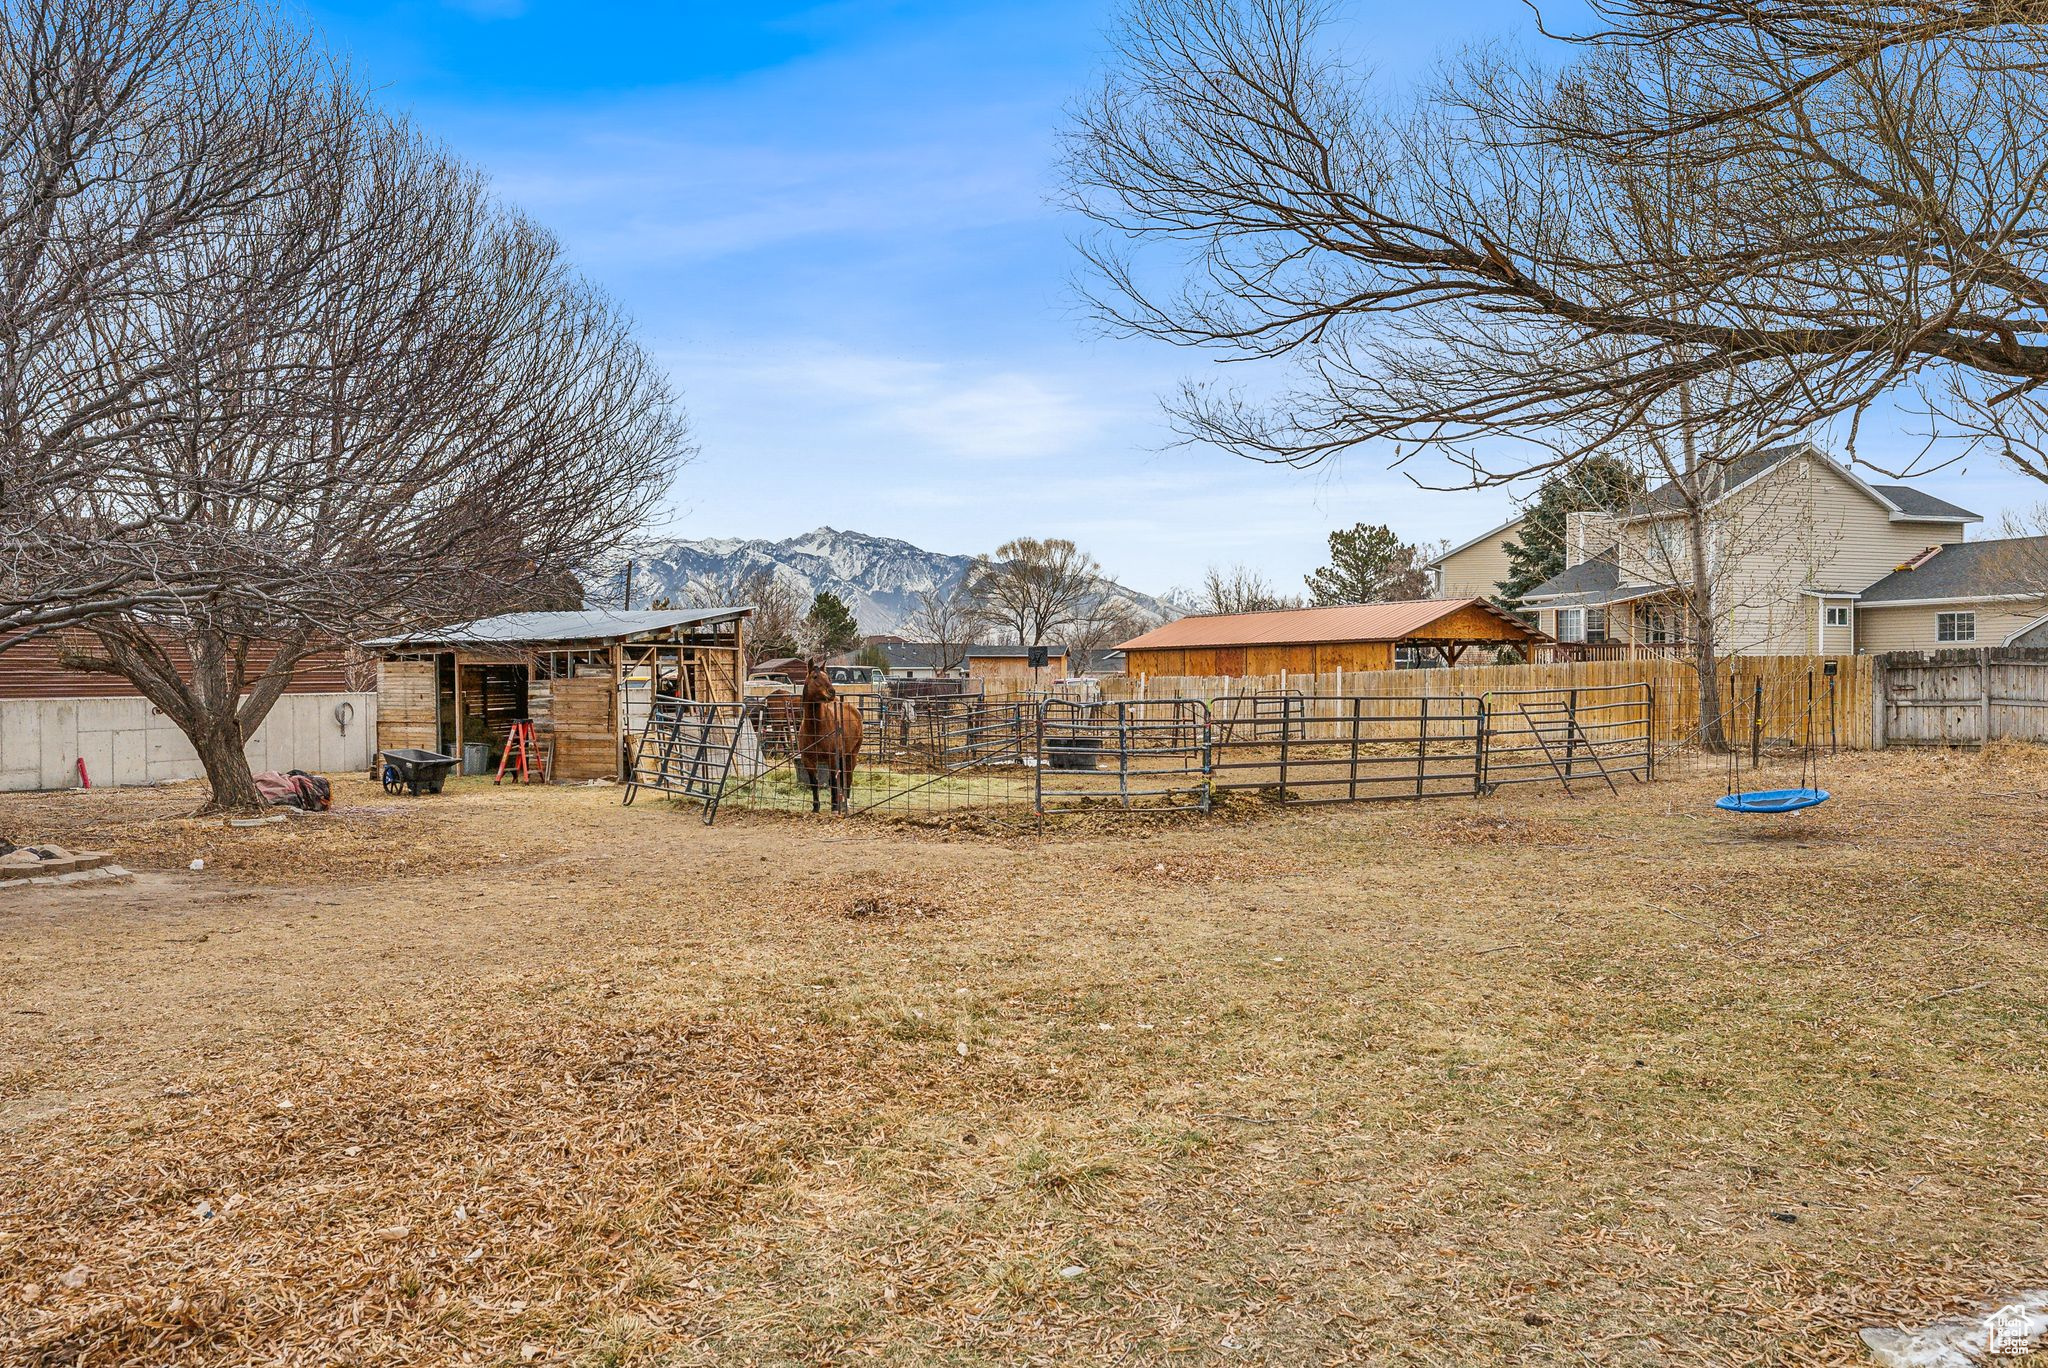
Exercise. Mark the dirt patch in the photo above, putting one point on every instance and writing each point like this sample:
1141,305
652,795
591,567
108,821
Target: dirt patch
1198,867
368,835
1496,827
891,904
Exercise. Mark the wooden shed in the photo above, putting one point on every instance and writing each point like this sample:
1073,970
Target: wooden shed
584,679
1364,636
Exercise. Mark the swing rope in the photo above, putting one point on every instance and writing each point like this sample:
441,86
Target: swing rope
1809,793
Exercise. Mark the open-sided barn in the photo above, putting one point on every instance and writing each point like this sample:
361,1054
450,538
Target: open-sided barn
1363,636
583,678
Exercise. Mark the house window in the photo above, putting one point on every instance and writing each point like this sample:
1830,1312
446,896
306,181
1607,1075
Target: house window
1838,617
1596,624
1571,624
1955,626
1656,628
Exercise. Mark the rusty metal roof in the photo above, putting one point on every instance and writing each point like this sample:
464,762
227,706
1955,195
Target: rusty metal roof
1304,626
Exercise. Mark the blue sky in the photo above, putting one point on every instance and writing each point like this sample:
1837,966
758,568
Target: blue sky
831,222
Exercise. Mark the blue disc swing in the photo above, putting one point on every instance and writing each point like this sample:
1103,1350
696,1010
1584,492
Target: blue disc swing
1781,800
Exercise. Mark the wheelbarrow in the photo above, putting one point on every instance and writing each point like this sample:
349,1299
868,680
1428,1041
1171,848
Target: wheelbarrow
416,771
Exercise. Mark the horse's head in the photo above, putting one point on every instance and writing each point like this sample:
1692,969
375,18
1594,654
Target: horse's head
817,686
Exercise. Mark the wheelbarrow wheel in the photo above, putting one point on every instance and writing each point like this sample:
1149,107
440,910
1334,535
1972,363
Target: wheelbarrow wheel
392,783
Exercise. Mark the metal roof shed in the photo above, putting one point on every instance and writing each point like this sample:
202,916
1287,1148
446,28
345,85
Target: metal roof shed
1314,640
584,678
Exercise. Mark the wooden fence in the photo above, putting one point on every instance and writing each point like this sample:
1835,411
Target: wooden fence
1785,681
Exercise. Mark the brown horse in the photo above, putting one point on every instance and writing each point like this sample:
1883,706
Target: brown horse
827,740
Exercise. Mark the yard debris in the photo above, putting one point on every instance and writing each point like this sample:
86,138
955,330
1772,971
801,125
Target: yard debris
1951,992
2005,1330
888,904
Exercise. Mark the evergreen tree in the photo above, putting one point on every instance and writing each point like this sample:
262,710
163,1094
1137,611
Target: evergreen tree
1591,484
1369,564
830,627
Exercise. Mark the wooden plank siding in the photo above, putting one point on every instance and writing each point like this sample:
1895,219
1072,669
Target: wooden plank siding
1784,679
1312,658
585,713
36,669
1468,625
408,706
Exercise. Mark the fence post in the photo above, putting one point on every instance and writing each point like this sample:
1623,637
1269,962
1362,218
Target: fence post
1123,753
1356,705
1481,736
1422,747
1283,743
1984,666
1756,725
1038,768
1650,729
1571,728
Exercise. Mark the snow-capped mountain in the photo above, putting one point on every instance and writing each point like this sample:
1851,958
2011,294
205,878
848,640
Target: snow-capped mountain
878,577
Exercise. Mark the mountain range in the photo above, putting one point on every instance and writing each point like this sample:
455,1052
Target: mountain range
878,577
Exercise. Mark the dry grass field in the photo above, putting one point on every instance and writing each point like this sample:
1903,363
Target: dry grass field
513,1077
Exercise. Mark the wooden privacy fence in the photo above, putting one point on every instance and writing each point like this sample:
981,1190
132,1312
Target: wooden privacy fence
1674,683
1965,697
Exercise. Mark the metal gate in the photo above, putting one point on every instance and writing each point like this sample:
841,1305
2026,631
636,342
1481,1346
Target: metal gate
1579,733
696,750
1352,748
1964,698
1151,754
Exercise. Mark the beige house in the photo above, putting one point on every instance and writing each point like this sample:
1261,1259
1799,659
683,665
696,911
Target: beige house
1803,557
1476,568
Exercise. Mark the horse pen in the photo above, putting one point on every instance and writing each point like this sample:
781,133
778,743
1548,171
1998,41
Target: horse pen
1046,754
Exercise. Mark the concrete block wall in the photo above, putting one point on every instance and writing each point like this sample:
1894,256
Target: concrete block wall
128,741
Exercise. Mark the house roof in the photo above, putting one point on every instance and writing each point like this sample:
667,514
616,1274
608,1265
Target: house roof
1902,503
1595,574
1920,504
1589,583
1736,473
1303,626
2002,567
1510,525
586,624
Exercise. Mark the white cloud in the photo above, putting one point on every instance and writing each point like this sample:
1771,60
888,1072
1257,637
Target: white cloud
913,408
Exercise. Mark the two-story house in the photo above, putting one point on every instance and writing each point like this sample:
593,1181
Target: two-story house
1802,557
1474,569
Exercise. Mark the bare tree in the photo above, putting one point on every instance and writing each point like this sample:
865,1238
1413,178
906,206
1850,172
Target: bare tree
1858,187
129,132
777,622
1513,258
945,620
1241,589
362,397
1029,589
1105,621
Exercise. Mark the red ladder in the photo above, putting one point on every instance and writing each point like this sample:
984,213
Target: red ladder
520,755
